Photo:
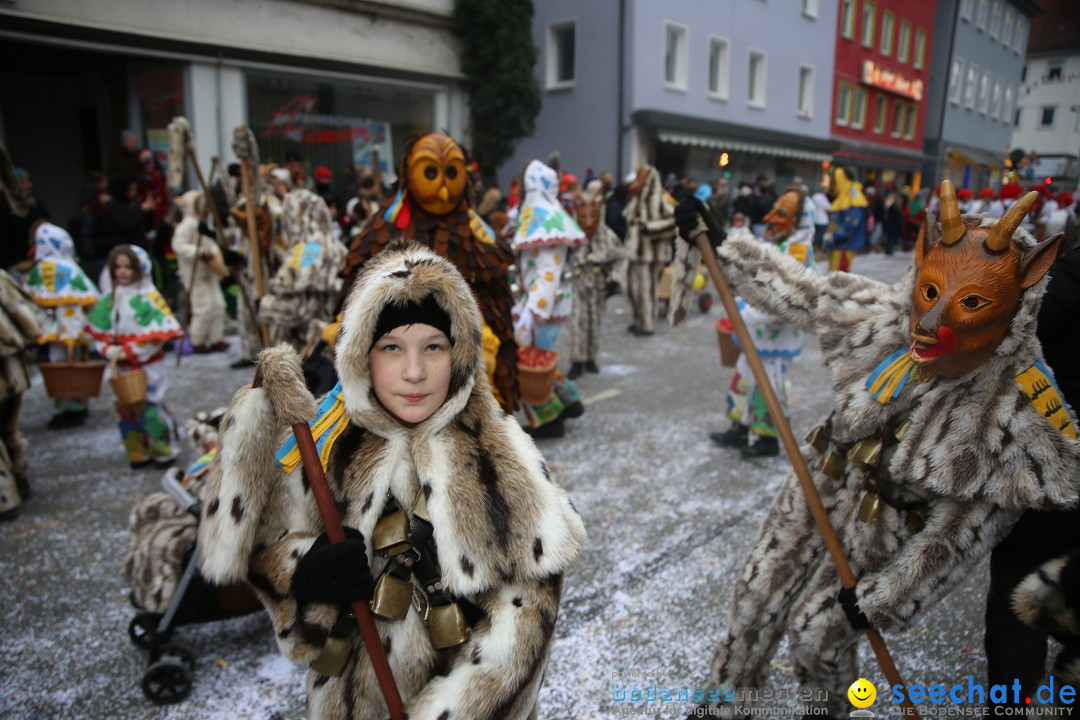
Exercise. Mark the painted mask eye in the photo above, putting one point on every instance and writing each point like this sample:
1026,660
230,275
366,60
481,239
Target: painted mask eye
451,172
974,302
431,172
930,292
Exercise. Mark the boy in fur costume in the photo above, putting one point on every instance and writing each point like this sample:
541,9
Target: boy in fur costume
946,427
194,252
460,469
650,234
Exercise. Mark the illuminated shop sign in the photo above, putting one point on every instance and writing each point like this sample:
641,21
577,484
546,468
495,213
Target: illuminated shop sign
893,82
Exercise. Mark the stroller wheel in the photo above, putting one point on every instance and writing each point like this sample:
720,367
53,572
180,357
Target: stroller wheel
175,653
704,302
143,627
166,682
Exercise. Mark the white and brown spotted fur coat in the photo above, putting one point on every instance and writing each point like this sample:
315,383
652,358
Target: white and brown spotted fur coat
977,451
505,531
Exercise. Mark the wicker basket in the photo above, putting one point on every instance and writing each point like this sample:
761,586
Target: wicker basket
537,382
130,386
73,380
729,351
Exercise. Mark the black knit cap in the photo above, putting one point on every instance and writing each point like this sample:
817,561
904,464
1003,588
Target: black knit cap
427,311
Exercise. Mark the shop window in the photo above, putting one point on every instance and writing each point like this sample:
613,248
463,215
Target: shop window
969,89
1046,116
719,67
675,55
756,86
980,19
1020,35
868,13
843,104
561,54
1006,30
880,113
887,21
966,7
956,80
909,123
920,49
995,20
847,18
995,101
810,8
858,111
160,89
1053,70
899,119
904,42
805,107
984,93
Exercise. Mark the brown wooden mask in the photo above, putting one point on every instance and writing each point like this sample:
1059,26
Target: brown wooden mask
781,219
588,212
435,172
968,287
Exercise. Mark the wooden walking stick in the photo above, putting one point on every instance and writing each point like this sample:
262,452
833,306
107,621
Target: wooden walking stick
245,149
335,533
798,462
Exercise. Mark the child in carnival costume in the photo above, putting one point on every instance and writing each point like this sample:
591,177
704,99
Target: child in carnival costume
63,294
544,239
946,426
847,220
201,266
411,434
130,325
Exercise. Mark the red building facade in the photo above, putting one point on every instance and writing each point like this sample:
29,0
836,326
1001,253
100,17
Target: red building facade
879,87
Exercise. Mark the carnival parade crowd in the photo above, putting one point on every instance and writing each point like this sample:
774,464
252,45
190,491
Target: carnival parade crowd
411,320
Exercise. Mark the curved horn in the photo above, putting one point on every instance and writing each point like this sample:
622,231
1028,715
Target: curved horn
1001,234
952,225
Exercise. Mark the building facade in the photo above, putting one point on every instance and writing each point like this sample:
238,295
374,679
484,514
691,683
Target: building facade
1047,119
883,54
976,70
330,81
682,85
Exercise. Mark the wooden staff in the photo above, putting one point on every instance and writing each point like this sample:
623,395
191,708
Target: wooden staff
776,412
335,533
253,235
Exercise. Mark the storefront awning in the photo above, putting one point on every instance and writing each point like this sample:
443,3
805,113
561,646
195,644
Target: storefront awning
719,143
976,158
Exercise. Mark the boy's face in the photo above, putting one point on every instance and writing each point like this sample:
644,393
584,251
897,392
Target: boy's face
410,372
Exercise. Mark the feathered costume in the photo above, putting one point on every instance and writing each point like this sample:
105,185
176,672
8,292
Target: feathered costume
459,235
137,319
504,533
939,469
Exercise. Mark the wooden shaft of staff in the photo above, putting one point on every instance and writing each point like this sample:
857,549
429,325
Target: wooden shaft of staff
776,413
256,254
335,533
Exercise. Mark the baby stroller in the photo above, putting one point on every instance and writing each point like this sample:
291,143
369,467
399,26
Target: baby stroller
167,589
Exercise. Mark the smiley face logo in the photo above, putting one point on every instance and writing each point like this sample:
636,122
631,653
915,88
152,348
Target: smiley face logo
862,693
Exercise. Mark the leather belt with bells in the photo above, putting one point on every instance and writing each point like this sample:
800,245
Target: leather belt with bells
408,542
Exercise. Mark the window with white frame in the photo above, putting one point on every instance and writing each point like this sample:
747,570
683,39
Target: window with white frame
847,18
719,67
676,58
810,8
1054,69
755,90
843,104
869,11
561,54
904,42
881,112
1006,111
1016,121
1006,30
858,109
966,7
1020,35
956,80
984,92
984,10
887,21
805,107
970,87
899,119
920,49
995,100
1046,116
909,123
995,20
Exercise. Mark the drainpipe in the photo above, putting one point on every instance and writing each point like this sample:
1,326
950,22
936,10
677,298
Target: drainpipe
939,164
619,103
220,109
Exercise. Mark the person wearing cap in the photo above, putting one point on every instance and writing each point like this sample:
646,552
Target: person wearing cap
411,434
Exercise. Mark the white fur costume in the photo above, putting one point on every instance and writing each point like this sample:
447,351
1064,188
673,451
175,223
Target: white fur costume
206,326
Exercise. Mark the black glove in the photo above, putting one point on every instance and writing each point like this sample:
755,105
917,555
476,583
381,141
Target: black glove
692,216
234,259
205,229
335,574
854,613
